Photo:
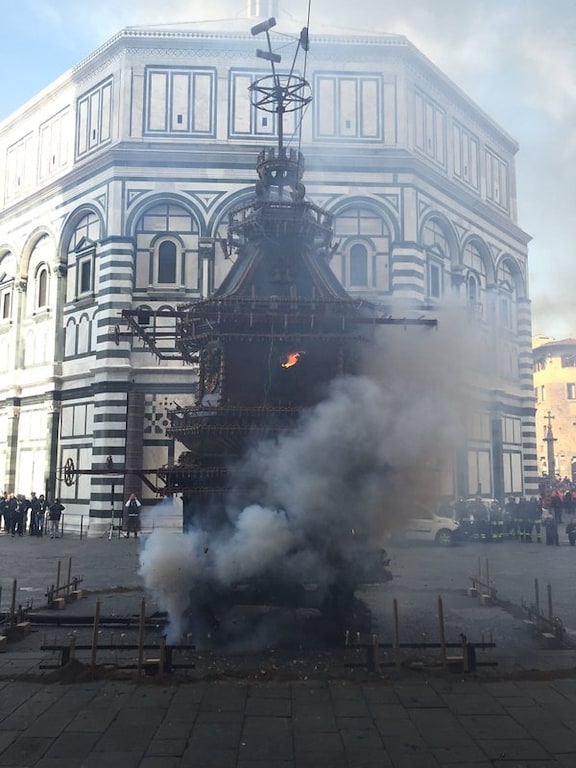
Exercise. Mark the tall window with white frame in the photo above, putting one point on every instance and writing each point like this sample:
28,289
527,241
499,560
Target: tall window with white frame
7,272
42,288
507,296
358,266
437,256
476,278
362,261
167,262
167,238
82,256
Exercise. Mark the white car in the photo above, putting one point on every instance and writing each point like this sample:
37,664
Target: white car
428,527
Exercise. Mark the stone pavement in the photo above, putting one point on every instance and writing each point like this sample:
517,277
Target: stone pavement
520,715
405,724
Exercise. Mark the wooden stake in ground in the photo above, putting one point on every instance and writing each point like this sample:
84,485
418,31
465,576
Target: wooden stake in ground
95,633
141,636
442,632
396,634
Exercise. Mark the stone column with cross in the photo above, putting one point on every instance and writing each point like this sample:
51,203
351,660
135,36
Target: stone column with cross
549,439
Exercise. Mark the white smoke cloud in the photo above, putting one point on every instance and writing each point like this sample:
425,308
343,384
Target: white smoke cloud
329,492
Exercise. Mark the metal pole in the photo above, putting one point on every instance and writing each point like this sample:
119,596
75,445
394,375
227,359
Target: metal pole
550,611
442,633
537,602
141,636
58,576
81,525
465,660
69,577
487,576
162,656
95,633
13,604
112,491
396,634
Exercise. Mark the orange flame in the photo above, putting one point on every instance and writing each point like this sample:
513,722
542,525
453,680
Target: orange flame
291,359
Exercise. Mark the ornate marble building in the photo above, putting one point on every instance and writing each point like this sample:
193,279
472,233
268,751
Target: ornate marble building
117,182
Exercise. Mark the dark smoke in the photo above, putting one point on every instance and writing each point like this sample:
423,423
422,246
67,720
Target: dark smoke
308,506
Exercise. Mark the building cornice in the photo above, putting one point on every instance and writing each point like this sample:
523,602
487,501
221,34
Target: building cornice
323,47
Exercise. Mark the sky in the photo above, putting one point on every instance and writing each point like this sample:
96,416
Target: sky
515,58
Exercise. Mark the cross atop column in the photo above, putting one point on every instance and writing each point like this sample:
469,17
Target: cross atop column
550,440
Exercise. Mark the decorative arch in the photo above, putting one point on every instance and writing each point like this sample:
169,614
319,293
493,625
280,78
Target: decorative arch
71,226
83,231
508,268
8,277
83,334
474,247
38,234
363,233
224,207
70,334
377,207
166,234
157,199
6,250
8,265
433,225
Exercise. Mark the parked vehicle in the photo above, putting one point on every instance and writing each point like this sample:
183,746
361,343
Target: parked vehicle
430,527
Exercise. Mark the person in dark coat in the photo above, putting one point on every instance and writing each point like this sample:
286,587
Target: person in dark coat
511,518
41,515
496,522
567,505
479,511
556,506
21,514
54,514
4,511
131,517
12,513
571,532
525,519
551,528
34,509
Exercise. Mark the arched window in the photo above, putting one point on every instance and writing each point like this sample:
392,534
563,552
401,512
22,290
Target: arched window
506,283
167,262
433,235
362,260
42,288
472,285
7,273
476,272
436,242
358,266
6,299
167,256
82,256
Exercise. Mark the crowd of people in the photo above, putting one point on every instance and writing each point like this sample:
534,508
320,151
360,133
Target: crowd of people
20,515
34,516
525,519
